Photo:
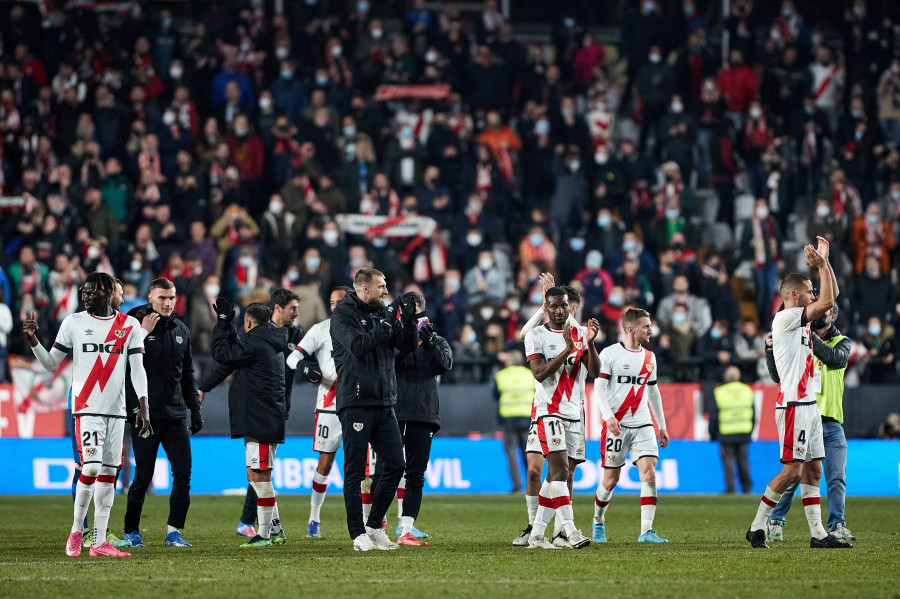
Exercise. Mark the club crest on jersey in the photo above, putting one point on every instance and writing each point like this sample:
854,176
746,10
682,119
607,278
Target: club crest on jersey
357,426
90,451
649,367
179,339
578,345
119,333
555,440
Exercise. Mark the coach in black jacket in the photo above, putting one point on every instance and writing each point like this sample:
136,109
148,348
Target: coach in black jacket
418,411
172,392
364,335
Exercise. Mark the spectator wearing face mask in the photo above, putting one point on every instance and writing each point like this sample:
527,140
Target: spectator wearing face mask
596,281
822,223
536,247
452,304
485,281
678,135
717,351
881,344
873,293
761,245
739,87
278,234
679,338
607,182
872,235
570,199
696,307
655,85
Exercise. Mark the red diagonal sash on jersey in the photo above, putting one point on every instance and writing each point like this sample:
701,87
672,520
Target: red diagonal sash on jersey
328,400
101,372
823,85
567,380
634,397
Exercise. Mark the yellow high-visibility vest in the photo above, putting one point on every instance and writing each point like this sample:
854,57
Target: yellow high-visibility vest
516,387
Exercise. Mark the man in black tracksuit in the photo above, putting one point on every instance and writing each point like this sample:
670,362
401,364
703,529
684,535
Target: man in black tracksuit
364,335
172,392
256,407
418,411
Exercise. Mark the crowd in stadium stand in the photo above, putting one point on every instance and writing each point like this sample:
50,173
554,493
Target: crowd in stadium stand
218,146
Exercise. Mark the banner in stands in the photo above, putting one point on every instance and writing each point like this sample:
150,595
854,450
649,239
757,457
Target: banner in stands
386,226
44,466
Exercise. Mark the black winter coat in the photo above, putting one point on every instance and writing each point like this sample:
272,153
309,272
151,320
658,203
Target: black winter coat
364,341
295,334
168,360
417,386
256,405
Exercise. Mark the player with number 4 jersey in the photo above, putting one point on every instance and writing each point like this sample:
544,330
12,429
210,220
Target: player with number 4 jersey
627,393
797,417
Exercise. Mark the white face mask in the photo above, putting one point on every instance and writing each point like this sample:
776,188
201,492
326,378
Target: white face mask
265,102
485,264
246,261
93,252
822,211
377,33
275,208
755,112
473,240
330,236
677,107
169,118
211,290
601,158
281,52
136,265
176,72
762,212
655,58
336,51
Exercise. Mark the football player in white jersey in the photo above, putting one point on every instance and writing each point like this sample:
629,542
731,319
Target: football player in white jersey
314,355
627,392
101,340
797,416
560,357
534,457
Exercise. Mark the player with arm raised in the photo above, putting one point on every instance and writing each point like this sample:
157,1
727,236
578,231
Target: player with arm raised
560,357
102,341
313,358
797,416
534,457
626,389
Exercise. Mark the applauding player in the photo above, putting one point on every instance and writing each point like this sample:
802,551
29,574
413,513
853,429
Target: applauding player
626,385
98,338
797,416
560,356
313,359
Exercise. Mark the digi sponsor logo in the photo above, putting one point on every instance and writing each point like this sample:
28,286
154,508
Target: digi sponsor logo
100,348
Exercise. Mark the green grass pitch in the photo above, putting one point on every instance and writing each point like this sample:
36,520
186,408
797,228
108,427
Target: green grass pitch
469,553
